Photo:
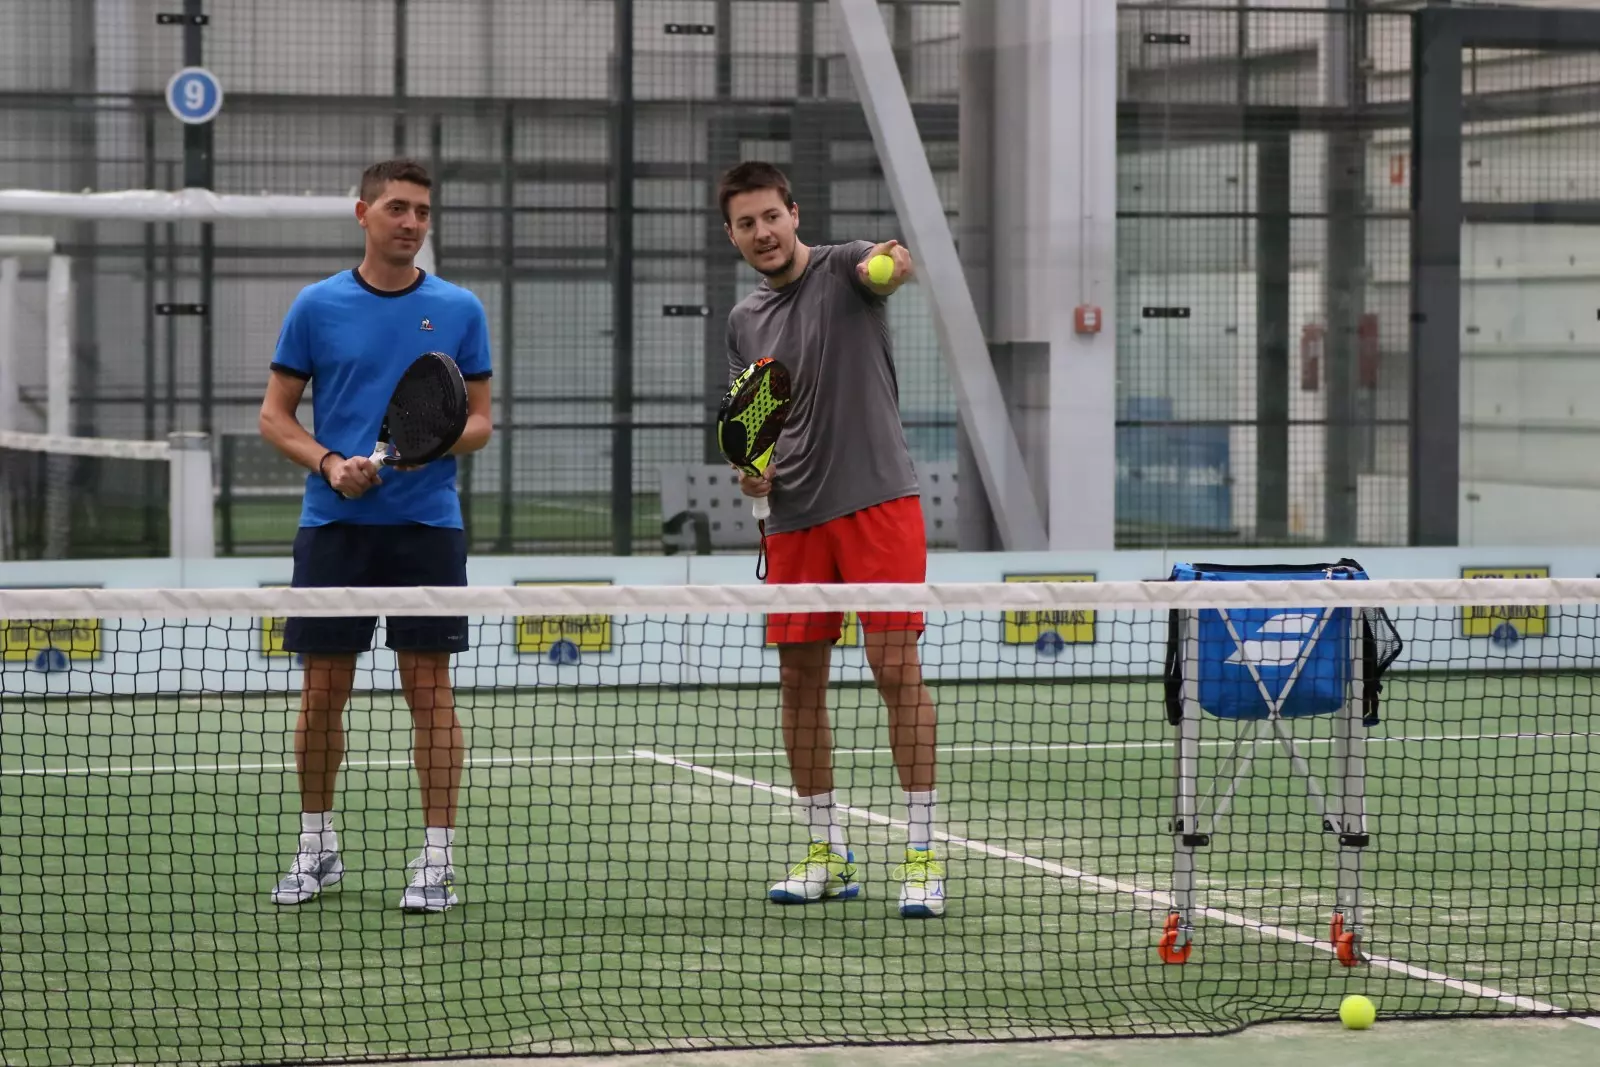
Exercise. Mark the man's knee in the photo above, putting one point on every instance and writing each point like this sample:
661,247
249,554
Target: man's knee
804,666
892,657
327,680
433,666
425,677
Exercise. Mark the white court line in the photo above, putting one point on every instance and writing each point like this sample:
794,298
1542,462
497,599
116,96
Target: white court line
382,763
1095,881
377,763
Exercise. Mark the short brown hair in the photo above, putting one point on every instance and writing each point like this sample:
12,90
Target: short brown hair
376,178
748,177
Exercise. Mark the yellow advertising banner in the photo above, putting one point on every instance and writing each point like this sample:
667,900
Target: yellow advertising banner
1484,620
538,634
1073,627
269,631
26,639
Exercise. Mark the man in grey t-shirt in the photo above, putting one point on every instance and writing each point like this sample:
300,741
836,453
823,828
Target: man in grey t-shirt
844,509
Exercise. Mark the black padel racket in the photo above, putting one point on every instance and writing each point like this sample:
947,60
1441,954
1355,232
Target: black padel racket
748,424
427,413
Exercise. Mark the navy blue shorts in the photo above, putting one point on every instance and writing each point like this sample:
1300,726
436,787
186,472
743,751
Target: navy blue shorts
342,554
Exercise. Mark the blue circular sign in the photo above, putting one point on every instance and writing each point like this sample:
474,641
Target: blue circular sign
194,95
1505,635
50,661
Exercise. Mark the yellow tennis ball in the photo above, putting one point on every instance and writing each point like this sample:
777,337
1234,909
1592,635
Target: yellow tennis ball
880,269
1357,1012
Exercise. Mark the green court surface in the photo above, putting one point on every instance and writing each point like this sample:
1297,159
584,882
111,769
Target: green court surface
616,844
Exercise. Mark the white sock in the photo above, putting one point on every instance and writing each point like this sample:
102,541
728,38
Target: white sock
317,833
818,812
919,813
439,842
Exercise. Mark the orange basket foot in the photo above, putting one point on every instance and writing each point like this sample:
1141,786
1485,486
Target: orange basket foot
1345,945
1170,950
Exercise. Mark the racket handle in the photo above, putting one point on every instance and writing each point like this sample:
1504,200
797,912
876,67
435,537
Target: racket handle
379,454
760,508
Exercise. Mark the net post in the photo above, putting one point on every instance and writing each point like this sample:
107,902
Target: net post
191,509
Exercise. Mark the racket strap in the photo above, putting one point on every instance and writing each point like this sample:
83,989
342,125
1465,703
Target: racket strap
761,551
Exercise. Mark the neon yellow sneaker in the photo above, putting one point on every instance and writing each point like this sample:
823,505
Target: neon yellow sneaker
823,873
922,895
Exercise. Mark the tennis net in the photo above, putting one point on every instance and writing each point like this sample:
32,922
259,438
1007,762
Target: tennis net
64,497
1121,850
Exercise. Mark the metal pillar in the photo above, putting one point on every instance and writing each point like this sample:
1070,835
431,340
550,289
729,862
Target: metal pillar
976,530
721,289
622,289
1038,176
86,145
198,173
1080,67
1439,34
1344,278
1434,472
1272,338
401,43
507,362
916,199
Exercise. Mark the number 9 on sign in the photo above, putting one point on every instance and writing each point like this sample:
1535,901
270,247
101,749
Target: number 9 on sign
194,95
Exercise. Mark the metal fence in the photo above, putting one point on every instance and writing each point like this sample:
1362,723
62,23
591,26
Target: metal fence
1263,275
573,196
1264,245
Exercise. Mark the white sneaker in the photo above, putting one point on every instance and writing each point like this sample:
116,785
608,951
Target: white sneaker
922,895
432,886
309,874
823,873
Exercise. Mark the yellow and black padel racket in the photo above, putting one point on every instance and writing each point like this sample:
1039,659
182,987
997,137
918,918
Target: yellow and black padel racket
749,421
752,416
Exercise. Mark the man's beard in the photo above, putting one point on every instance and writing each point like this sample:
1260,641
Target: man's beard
776,271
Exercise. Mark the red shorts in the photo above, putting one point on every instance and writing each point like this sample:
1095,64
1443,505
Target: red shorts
884,543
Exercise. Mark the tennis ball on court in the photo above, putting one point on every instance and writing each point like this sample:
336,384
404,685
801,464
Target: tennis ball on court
880,269
1357,1012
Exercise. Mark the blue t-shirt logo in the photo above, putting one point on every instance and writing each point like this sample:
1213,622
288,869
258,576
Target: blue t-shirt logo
352,342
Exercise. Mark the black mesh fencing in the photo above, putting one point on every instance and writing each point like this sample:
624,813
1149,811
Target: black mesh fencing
1264,265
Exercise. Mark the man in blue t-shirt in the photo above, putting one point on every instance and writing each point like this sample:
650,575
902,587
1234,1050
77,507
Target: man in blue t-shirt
352,336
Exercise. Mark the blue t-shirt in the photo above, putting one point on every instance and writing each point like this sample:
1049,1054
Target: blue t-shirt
353,342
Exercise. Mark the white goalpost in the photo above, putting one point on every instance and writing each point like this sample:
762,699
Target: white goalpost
14,249
184,205
58,342
193,488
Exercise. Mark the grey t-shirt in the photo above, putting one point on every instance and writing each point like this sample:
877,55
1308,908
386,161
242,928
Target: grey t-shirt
843,448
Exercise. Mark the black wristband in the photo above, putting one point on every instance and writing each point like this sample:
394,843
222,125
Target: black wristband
322,464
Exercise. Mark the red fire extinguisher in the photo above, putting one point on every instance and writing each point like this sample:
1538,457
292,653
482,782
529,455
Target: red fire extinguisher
1367,356
1311,357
